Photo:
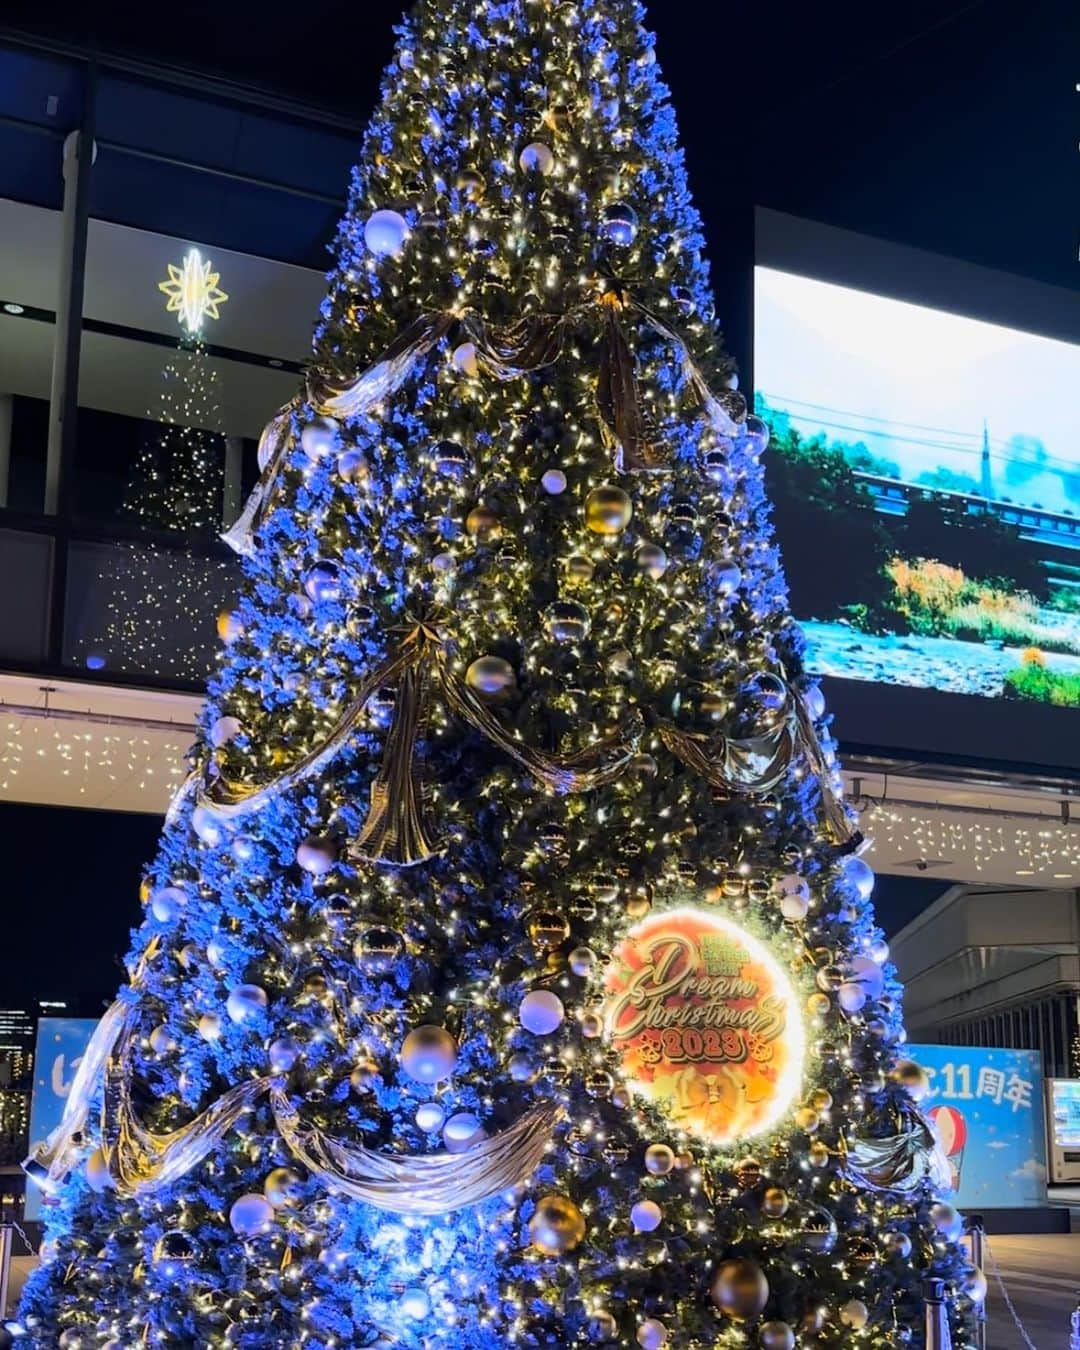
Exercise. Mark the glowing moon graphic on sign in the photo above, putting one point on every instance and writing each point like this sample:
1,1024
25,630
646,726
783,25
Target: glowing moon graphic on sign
706,1023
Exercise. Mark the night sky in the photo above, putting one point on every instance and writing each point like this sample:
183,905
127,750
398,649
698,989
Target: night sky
951,126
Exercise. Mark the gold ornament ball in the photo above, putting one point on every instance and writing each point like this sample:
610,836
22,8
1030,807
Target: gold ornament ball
592,1026
621,1098
912,1077
813,1321
566,621
855,1314
747,1172
775,1202
363,1076
659,1160
818,1005
547,928
821,1099
490,676
483,523
806,1118
651,561
776,1336
818,1153
608,510
599,1083
739,1289
684,1161
557,1226
471,184
579,568
283,1187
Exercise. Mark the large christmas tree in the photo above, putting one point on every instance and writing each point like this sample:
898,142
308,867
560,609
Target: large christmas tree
508,975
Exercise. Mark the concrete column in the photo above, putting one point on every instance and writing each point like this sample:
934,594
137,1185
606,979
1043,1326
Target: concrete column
233,483
63,391
6,407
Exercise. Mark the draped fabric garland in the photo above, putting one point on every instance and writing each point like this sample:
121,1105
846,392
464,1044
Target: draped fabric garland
396,831
431,1183
902,1162
141,1161
505,351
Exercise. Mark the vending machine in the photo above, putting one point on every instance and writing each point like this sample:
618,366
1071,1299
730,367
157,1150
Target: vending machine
1063,1128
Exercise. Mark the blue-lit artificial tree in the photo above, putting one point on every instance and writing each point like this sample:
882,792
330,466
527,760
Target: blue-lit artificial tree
508,975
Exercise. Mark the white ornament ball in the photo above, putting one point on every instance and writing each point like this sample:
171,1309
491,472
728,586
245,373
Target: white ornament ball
851,996
243,848
98,1176
430,1116
554,482
283,1054
465,359
867,974
815,702
646,1215
245,1002
215,952
210,1027
321,438
251,1214
652,1335
860,874
385,233
416,1303
854,1314
162,1041
207,826
224,730
167,903
581,960
429,1054
461,1131
795,906
522,1068
537,158
541,1012
317,855
946,1219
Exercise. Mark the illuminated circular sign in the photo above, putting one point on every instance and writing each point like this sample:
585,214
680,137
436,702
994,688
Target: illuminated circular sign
706,1023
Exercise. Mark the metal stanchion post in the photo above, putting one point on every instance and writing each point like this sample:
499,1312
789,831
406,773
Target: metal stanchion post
976,1234
6,1233
937,1318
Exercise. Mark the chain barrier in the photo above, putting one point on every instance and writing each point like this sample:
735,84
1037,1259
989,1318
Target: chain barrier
995,1270
31,1249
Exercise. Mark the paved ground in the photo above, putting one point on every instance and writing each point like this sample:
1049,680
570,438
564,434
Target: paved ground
1042,1276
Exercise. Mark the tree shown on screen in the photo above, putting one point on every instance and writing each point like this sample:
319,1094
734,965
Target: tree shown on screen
508,975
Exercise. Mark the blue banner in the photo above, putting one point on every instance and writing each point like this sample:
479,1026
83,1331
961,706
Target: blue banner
986,1107
60,1045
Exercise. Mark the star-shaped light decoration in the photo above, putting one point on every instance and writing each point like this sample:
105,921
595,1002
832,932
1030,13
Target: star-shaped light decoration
193,291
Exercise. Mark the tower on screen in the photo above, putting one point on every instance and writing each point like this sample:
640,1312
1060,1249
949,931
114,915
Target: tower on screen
508,975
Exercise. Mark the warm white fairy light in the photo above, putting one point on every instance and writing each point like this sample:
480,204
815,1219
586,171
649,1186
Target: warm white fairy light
87,756
1036,850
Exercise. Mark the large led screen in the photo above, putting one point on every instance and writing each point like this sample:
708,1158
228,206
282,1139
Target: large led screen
925,472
